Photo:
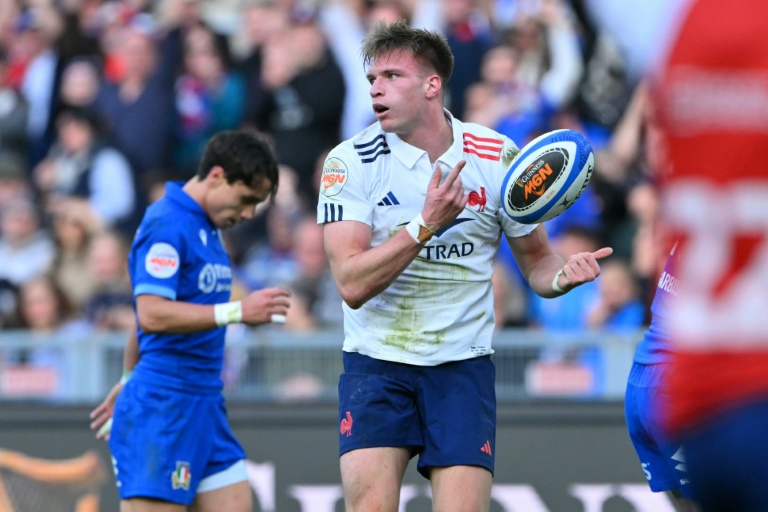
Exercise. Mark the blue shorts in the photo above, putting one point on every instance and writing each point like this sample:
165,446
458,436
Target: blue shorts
727,458
165,442
446,414
661,459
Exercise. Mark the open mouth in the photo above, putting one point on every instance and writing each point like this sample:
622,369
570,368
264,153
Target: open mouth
380,109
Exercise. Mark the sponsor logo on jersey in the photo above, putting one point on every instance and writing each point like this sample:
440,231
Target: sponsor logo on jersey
345,426
488,149
162,260
211,275
182,477
334,177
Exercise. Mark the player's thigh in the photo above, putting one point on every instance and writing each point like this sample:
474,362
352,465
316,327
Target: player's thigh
150,505
461,489
232,498
371,478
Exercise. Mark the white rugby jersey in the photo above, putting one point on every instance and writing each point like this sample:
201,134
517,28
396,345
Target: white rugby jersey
441,308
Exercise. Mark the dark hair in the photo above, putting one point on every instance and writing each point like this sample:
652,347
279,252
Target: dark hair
245,155
429,47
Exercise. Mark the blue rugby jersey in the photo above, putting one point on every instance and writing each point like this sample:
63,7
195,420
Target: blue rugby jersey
178,254
655,345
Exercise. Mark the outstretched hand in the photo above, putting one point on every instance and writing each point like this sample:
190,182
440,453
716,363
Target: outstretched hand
444,201
582,268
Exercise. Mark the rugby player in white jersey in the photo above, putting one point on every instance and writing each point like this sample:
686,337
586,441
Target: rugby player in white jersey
412,258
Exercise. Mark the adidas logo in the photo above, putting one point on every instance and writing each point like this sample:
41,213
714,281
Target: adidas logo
486,448
389,200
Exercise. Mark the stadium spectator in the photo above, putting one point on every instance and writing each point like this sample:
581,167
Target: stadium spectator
82,172
302,110
14,112
26,249
110,305
70,269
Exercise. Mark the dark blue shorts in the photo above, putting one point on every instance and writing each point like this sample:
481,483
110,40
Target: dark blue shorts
727,459
165,442
446,414
661,459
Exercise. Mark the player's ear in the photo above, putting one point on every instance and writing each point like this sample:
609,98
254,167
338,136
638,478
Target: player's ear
217,175
432,86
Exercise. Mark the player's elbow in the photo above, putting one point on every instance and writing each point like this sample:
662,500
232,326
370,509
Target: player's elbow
354,296
149,323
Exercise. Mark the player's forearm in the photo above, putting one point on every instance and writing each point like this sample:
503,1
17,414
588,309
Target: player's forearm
160,315
365,275
540,276
131,351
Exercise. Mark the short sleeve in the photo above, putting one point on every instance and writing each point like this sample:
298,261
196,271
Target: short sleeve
510,227
157,259
343,190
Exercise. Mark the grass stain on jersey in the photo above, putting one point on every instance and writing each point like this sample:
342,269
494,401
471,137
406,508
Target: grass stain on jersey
407,329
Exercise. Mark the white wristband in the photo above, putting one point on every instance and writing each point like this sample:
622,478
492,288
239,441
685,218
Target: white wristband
556,286
228,313
277,319
419,230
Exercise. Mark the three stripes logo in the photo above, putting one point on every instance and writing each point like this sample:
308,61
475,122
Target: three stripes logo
333,212
389,200
488,149
370,151
486,448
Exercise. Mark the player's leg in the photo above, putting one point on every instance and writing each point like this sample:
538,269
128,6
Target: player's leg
371,478
378,431
160,445
224,486
461,489
661,459
235,497
149,505
681,503
457,405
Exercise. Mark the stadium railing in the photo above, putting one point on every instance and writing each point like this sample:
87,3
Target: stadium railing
269,364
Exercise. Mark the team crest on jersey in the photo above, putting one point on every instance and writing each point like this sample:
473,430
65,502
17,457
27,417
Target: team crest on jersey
334,177
182,477
162,260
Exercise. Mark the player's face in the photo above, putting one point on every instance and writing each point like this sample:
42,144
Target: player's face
398,87
231,204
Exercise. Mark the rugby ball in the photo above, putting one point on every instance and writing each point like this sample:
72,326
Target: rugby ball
547,176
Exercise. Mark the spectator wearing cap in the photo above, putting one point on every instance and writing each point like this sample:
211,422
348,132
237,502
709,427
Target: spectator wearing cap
83,173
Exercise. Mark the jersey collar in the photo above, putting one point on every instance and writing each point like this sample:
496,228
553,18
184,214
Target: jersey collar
175,193
409,155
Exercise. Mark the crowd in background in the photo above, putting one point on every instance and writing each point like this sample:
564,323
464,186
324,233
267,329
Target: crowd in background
102,101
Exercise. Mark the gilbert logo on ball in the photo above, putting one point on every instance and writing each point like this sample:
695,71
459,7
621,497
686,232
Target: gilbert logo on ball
547,176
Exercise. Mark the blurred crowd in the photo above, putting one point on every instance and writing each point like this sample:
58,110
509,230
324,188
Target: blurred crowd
103,101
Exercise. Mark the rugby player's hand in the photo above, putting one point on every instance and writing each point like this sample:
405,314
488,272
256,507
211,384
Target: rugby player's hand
263,306
445,201
582,268
101,416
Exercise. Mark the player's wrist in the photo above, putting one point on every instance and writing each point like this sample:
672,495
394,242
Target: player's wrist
227,313
555,286
420,230
125,376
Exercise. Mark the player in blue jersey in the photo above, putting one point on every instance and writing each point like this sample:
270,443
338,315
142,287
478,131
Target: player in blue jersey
170,439
413,259
662,459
